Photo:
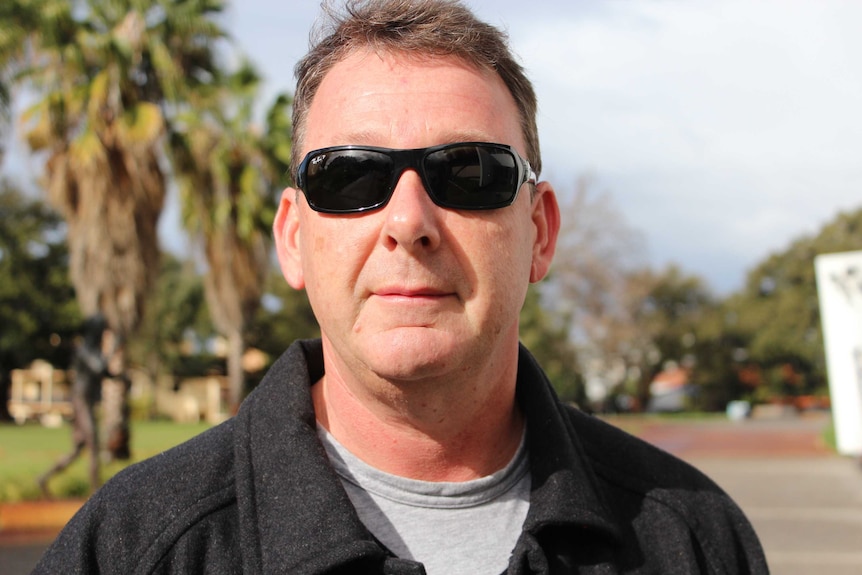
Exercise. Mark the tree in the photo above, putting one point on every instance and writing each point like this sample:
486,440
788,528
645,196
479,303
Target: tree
722,372
547,338
176,320
596,253
107,76
627,320
284,317
38,312
20,18
778,311
668,309
228,171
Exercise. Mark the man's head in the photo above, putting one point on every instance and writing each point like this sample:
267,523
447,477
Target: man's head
421,28
414,287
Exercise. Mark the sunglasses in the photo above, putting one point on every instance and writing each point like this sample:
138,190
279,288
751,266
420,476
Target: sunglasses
463,176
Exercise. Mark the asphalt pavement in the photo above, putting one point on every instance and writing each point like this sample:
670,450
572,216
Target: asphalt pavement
19,558
804,501
807,511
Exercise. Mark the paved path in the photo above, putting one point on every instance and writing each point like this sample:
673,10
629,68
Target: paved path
711,438
804,501
807,511
19,558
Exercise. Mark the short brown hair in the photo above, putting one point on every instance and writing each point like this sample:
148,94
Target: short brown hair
423,27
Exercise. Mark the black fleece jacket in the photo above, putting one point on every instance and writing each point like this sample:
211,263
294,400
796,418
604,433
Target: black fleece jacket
257,495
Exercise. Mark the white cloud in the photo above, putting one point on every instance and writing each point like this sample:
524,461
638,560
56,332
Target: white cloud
738,121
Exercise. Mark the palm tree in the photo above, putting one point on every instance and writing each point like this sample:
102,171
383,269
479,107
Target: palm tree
19,18
110,76
228,172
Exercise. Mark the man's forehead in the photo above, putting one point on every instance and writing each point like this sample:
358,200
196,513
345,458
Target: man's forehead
370,96
358,60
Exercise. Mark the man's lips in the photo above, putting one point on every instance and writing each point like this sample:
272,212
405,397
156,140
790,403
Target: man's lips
411,294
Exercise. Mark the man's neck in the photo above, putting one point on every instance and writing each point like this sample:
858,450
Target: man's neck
425,432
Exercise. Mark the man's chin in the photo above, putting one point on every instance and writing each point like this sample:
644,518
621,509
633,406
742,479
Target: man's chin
413,354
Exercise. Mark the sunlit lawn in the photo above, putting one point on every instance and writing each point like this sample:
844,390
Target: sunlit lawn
28,451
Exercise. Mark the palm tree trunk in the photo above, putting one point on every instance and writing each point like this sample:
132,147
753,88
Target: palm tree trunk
236,377
115,412
115,404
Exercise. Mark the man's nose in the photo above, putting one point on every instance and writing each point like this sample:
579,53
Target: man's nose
412,218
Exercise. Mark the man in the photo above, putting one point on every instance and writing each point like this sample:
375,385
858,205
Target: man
416,435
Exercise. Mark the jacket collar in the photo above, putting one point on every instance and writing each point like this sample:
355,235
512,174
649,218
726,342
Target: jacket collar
282,471
564,487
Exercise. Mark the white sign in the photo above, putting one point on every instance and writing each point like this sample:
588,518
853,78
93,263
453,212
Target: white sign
839,287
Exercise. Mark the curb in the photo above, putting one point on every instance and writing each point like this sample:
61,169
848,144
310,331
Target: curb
28,516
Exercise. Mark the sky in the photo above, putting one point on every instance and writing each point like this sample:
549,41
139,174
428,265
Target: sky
722,130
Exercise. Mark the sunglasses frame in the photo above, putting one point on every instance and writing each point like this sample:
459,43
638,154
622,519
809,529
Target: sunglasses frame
414,158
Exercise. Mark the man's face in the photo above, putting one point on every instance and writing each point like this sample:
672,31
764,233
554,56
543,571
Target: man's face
414,291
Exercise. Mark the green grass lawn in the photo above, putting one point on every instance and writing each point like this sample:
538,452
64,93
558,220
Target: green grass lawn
27,451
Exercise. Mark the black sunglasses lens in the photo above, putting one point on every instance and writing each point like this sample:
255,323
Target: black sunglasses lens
472,176
347,180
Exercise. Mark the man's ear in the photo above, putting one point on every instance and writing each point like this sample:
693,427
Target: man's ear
285,230
546,218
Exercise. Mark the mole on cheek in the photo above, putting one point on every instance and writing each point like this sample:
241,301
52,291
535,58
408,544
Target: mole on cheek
320,244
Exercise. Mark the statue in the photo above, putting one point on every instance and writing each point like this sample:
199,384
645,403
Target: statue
90,364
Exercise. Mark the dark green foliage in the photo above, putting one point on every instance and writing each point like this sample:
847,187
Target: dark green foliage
716,371
673,311
171,336
284,317
547,338
38,312
778,311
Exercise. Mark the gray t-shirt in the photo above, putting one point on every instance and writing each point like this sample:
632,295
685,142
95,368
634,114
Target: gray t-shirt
453,528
